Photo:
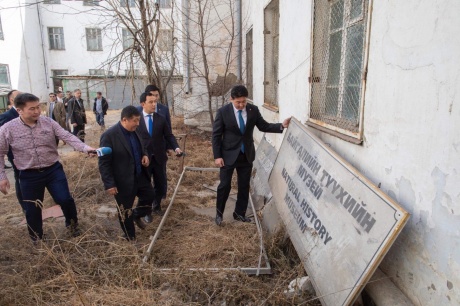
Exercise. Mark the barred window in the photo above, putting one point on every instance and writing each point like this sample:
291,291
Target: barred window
93,39
165,40
338,71
91,2
56,38
4,75
249,64
1,29
271,53
164,3
127,38
126,3
51,1
57,79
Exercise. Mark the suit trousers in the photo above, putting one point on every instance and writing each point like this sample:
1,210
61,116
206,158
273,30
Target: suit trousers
126,214
243,169
79,131
158,171
33,184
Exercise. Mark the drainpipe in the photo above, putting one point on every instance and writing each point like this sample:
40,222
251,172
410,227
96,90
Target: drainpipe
43,47
187,46
239,41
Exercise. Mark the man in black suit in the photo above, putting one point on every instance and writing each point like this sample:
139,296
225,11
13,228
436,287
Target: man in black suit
156,135
125,173
233,148
77,114
7,116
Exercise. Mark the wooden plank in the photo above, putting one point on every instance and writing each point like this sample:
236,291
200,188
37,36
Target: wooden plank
339,222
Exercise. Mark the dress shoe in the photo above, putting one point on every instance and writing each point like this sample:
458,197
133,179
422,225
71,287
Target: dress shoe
159,212
219,220
140,224
148,218
241,218
74,230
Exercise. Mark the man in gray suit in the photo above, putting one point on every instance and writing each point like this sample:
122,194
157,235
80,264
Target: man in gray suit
233,148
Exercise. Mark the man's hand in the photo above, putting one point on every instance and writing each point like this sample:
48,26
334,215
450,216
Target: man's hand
74,124
286,122
178,152
170,152
145,161
219,162
4,186
91,152
112,191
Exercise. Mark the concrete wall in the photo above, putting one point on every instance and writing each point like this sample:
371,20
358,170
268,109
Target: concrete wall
411,123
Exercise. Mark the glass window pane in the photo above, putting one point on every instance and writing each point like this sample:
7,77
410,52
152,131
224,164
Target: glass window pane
356,9
332,101
337,15
335,55
4,75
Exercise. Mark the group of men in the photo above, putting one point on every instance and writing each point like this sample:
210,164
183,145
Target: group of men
71,109
138,143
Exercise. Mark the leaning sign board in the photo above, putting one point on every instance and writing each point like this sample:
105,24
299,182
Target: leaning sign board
339,222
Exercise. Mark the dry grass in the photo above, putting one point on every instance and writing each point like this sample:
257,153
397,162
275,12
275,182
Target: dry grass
99,268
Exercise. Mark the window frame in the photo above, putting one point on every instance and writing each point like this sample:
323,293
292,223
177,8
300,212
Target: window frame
323,125
51,1
97,37
125,38
271,55
2,36
165,3
61,35
96,72
127,3
7,70
91,2
163,45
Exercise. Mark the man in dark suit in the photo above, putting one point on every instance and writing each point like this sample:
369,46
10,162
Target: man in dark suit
233,148
156,135
4,118
125,173
77,114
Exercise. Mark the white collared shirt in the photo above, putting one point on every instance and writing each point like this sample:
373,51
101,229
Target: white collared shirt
244,113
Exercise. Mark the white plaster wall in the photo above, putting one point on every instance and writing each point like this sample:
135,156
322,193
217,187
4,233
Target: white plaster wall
21,51
411,128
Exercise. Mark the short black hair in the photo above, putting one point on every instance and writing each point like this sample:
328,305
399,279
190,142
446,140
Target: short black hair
151,87
51,93
21,99
239,91
144,96
99,93
10,93
58,92
75,90
129,112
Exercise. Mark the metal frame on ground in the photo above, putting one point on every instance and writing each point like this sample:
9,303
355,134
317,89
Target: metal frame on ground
249,270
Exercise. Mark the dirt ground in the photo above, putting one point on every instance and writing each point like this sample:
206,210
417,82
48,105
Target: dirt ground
100,268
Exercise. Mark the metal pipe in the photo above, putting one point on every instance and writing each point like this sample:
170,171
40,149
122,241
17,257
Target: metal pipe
45,65
186,8
249,271
239,41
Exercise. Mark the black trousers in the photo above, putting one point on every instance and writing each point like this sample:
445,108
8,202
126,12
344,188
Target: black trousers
17,185
144,191
243,170
158,171
79,131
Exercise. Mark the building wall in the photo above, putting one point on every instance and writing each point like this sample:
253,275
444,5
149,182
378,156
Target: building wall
411,122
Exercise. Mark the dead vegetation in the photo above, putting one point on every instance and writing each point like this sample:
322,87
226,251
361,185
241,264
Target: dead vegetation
100,268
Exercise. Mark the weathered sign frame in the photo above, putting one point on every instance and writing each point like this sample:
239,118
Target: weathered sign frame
340,223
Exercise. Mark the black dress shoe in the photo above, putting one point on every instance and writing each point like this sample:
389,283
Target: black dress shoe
148,219
158,212
241,218
140,223
219,220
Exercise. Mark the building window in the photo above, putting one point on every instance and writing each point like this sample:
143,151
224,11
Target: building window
57,78
126,3
93,39
164,3
90,2
56,38
165,40
96,72
4,75
128,39
1,29
339,34
51,1
249,64
271,53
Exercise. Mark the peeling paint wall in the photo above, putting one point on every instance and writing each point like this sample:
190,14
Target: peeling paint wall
411,143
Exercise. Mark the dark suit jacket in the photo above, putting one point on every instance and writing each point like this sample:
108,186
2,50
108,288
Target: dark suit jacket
227,137
4,118
76,112
161,138
163,110
117,169
105,105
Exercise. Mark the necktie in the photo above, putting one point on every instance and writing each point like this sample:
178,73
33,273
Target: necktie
242,126
150,124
